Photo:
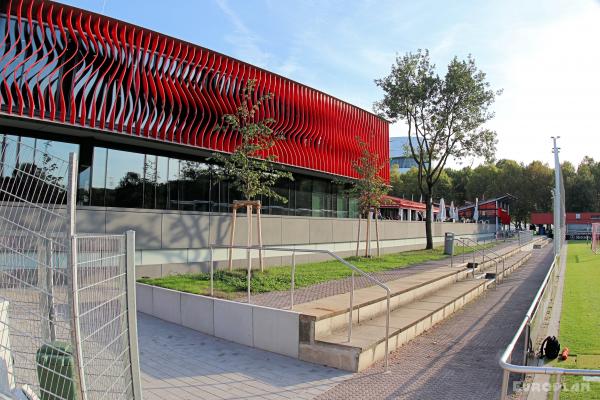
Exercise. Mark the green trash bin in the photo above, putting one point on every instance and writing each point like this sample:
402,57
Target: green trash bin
56,371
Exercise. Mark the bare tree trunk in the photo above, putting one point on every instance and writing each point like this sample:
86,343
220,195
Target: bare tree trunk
428,222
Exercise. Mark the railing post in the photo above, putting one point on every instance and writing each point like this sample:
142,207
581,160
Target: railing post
505,378
557,387
212,271
351,308
497,277
293,280
526,344
132,315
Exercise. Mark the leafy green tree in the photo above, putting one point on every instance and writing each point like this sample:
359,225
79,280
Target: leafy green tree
249,168
369,188
584,190
538,182
483,182
445,116
460,179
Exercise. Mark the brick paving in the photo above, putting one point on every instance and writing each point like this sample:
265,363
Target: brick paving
178,363
458,358
314,292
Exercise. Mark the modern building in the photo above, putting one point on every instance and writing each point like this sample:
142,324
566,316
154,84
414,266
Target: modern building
494,211
141,110
399,156
404,210
579,224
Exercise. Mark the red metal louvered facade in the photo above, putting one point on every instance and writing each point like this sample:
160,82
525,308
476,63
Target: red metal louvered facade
90,71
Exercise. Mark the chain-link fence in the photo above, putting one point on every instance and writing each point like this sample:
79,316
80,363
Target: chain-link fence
65,326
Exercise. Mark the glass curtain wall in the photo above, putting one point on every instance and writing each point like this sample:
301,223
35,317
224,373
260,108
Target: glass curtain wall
117,178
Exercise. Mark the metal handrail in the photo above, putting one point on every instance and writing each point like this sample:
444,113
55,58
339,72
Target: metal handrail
475,250
353,267
501,256
505,359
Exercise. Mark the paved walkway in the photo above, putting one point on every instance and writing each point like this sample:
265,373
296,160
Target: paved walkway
458,358
178,363
332,288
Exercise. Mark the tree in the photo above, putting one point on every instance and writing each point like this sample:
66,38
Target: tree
249,168
483,182
445,116
369,188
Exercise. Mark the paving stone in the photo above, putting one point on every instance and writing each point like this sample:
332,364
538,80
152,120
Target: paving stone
458,358
179,363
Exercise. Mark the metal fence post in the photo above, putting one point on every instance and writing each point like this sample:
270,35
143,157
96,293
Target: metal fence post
74,286
132,315
76,327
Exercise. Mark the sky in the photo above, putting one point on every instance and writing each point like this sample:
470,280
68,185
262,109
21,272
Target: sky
543,54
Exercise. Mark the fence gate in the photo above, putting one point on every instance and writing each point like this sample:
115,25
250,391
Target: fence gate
67,301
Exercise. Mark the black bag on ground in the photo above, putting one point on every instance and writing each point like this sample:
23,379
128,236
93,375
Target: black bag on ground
550,348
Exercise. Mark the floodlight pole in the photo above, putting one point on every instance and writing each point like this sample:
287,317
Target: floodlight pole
557,199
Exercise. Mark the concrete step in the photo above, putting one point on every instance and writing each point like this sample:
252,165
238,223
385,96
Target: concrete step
327,314
367,344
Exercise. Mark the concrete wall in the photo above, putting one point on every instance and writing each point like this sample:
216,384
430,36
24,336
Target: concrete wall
251,325
175,241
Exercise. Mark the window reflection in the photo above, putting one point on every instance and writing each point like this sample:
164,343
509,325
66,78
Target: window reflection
124,179
134,180
98,177
33,170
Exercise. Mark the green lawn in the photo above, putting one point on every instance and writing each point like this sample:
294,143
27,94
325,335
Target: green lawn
580,319
233,284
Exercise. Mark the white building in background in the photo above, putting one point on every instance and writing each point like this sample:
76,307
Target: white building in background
399,155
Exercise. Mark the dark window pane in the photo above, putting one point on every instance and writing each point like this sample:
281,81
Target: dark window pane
173,184
86,155
150,181
303,196
124,179
319,198
222,202
161,182
99,177
353,207
276,206
341,201
194,188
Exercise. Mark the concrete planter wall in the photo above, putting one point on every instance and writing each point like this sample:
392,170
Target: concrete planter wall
251,325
